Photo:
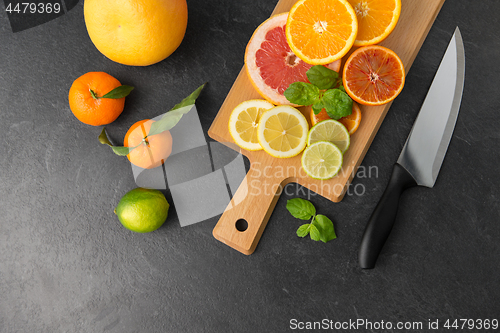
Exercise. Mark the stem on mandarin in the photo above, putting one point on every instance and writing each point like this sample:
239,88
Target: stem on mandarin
93,94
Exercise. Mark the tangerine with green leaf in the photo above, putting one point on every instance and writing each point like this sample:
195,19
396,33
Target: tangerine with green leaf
150,151
97,98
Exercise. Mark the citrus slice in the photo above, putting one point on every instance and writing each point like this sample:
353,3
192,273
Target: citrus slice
376,19
373,75
322,160
244,120
351,122
283,131
270,63
332,131
321,31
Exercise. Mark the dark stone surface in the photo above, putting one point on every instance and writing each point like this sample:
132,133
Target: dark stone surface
67,265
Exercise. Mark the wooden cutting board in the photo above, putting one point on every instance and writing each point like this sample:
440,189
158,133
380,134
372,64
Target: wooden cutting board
242,223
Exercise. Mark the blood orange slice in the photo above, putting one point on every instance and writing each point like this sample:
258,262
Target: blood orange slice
373,75
270,63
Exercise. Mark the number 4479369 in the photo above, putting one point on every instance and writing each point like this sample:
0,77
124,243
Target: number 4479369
32,8
471,324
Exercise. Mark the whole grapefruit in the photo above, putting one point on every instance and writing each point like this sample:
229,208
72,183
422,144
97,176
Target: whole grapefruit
136,32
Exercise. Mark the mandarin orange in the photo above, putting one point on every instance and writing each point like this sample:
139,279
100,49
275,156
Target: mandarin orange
86,103
150,151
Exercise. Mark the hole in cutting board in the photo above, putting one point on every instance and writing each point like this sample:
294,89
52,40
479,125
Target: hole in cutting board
241,225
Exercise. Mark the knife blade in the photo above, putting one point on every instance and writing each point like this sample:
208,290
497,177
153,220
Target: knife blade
423,153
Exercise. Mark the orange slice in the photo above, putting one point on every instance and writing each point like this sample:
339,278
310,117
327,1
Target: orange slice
270,63
373,75
376,19
351,122
321,31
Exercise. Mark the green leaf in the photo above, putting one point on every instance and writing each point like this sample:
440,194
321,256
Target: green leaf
119,92
337,103
302,93
303,230
317,107
314,232
118,150
172,117
190,99
300,208
322,77
325,228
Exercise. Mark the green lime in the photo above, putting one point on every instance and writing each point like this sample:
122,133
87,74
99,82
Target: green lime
142,210
330,130
322,160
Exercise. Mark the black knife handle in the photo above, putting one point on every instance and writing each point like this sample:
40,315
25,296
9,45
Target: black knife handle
380,224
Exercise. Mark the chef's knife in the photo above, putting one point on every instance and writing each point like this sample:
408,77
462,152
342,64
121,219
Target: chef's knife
424,150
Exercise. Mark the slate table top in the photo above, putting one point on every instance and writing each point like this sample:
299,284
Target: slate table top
67,265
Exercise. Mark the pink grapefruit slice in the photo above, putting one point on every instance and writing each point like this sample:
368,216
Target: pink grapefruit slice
270,63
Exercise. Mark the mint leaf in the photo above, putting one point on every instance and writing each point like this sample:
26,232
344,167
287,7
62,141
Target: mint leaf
119,92
303,230
300,208
322,77
302,93
337,103
172,117
325,228
118,150
317,107
314,232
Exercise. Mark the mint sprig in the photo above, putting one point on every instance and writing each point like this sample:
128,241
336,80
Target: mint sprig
166,122
325,91
319,229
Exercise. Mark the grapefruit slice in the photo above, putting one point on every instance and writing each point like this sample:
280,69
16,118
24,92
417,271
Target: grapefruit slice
270,63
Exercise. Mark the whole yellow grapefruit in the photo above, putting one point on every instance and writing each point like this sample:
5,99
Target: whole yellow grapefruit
136,32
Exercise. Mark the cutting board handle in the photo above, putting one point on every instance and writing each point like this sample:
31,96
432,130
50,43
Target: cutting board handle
245,218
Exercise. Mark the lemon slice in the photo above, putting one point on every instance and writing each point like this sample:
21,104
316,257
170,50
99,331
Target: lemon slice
322,160
283,131
330,130
244,121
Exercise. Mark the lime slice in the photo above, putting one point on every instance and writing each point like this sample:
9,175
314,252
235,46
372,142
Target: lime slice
283,131
330,130
244,120
322,160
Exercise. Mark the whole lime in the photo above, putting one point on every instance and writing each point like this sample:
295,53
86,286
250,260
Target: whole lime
142,210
